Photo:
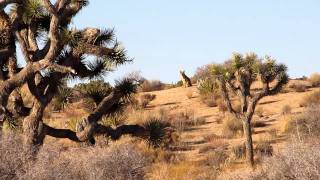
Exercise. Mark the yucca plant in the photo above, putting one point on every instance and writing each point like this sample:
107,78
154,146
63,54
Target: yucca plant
157,133
62,98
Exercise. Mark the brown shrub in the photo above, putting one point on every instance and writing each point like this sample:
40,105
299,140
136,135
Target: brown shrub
296,161
121,161
231,127
238,151
145,99
286,109
209,99
181,170
311,99
305,125
298,87
263,147
221,105
314,79
153,85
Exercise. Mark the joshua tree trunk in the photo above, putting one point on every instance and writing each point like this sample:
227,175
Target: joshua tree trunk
33,126
249,144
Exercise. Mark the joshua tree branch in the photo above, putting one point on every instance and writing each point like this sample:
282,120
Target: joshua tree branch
114,134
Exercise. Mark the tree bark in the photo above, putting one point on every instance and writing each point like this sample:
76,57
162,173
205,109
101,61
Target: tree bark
33,126
249,144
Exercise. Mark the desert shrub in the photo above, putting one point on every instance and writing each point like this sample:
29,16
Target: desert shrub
258,123
13,158
263,148
120,161
158,135
72,123
311,99
238,151
298,87
114,120
181,170
296,161
314,79
217,158
62,98
145,99
186,119
208,91
217,144
286,109
221,105
202,73
94,92
151,85
231,127
179,84
305,125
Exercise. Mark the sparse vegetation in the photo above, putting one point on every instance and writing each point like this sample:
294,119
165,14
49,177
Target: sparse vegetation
286,109
145,99
231,127
61,119
311,99
151,85
299,87
314,79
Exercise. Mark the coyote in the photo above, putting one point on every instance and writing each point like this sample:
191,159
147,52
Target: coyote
185,79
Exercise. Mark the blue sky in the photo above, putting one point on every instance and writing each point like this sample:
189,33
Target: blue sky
165,36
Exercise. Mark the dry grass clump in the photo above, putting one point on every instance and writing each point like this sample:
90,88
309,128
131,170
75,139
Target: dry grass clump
121,161
209,99
298,87
145,99
221,105
314,79
218,144
286,109
231,127
311,99
151,85
186,119
306,124
263,147
296,161
238,151
182,170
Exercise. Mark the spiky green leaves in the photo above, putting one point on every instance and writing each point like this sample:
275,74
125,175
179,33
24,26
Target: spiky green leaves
269,70
157,132
126,87
95,90
31,10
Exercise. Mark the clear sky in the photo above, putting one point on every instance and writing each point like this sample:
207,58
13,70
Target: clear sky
165,36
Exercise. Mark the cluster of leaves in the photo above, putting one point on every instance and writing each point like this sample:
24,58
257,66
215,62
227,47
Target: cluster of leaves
62,98
94,91
252,68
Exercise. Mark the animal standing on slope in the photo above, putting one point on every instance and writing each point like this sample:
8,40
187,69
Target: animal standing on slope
185,79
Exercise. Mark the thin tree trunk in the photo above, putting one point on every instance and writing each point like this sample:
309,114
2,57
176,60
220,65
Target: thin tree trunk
249,144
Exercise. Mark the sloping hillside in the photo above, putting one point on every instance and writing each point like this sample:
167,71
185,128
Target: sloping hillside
194,140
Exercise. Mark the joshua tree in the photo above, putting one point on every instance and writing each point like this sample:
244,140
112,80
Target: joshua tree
237,75
53,51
